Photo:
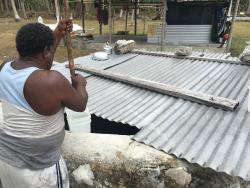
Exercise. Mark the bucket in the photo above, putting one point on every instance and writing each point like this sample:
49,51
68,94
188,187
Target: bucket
107,48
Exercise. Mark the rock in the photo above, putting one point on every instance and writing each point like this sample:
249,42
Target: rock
83,174
245,55
183,51
117,161
179,175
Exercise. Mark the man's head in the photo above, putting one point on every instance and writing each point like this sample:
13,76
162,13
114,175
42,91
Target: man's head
35,40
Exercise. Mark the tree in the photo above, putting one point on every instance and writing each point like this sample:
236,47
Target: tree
17,17
248,10
57,11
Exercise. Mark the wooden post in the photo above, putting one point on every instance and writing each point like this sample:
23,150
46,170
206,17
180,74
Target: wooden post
163,29
100,7
68,42
83,16
135,13
144,25
110,22
232,26
126,21
113,22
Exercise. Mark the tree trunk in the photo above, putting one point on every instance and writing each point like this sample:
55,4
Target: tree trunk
1,6
7,6
248,10
19,5
47,5
23,9
17,17
57,11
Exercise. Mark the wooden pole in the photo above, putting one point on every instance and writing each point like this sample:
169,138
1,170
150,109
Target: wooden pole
163,29
68,42
83,16
232,26
193,96
135,13
110,23
126,21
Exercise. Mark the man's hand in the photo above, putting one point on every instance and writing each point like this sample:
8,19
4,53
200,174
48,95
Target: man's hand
63,26
78,80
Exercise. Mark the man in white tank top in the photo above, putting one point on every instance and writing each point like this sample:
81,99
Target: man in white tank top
33,100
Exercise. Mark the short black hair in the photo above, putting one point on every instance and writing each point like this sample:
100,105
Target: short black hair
33,38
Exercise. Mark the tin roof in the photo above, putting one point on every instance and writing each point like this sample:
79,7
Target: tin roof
210,137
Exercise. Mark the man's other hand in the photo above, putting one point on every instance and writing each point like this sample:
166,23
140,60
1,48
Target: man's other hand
78,80
63,26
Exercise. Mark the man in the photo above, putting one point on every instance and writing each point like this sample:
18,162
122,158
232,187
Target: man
33,99
226,34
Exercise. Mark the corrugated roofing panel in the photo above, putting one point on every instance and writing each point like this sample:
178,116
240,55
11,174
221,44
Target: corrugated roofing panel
210,137
180,34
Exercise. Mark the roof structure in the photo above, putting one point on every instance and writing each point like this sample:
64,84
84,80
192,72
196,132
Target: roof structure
205,135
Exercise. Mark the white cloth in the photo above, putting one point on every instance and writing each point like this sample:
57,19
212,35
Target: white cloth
12,177
245,55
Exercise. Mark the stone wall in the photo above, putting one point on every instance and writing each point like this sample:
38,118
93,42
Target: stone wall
98,160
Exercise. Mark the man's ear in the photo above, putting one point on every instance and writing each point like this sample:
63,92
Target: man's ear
46,52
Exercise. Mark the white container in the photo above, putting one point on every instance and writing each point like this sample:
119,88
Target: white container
107,48
79,121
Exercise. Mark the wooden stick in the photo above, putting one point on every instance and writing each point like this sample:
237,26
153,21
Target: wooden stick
163,54
68,42
198,97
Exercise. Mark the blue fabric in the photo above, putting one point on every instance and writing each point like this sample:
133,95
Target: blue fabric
12,84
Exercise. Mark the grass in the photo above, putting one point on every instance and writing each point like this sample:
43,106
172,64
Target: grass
9,28
240,36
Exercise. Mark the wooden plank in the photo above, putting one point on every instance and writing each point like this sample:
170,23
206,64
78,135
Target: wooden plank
198,97
162,54
68,42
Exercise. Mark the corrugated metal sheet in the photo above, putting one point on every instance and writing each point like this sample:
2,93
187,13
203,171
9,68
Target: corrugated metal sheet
204,135
88,61
183,34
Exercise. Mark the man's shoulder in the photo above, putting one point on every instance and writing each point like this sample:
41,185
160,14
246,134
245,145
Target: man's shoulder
48,78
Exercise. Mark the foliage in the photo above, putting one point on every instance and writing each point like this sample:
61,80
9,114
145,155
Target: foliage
243,5
35,4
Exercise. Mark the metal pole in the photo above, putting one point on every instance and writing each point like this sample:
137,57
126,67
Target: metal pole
83,17
232,26
163,29
110,22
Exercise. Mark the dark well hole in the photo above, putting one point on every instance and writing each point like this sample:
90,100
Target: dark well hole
100,125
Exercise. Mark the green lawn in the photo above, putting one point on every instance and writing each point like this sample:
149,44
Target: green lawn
240,36
9,28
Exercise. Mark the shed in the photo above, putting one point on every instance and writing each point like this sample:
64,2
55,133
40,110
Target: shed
208,136
192,22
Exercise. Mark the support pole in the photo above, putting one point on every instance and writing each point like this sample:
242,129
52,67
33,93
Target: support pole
126,21
232,26
83,16
163,29
110,22
135,13
68,42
